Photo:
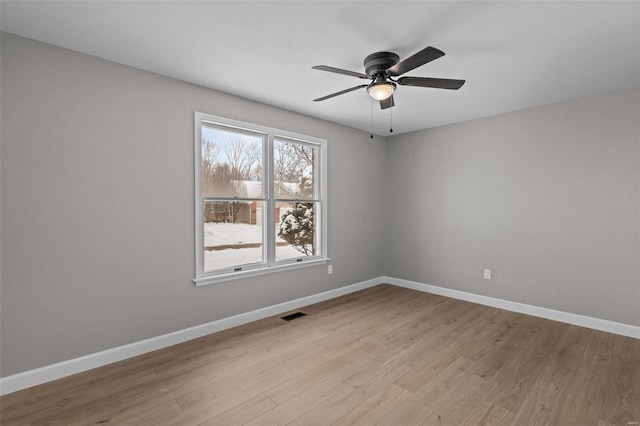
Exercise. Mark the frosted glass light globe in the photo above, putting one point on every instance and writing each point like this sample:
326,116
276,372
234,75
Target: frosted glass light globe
381,91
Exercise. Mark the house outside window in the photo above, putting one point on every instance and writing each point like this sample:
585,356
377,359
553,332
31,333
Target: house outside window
260,199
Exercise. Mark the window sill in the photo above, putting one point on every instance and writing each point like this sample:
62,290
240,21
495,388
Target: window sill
213,279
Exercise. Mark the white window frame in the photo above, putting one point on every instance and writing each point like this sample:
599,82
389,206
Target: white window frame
270,265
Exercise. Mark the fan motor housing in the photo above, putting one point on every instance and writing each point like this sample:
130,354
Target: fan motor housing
377,63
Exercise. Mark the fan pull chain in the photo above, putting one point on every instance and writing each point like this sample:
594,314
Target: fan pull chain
391,121
371,104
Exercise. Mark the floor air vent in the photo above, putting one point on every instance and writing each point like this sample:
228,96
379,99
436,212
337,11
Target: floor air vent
293,316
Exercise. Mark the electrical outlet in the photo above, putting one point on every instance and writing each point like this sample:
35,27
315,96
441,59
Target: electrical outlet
487,274
330,269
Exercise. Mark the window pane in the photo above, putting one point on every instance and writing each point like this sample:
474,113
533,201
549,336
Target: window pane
296,227
295,170
232,234
231,164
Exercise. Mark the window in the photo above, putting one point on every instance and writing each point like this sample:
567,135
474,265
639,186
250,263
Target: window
260,199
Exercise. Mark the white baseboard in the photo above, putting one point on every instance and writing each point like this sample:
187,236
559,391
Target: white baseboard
566,317
48,373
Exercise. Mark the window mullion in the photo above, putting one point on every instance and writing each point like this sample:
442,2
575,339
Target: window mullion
270,219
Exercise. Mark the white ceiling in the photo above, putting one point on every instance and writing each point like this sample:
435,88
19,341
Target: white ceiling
514,55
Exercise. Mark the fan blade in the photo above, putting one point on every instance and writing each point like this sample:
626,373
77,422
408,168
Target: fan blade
424,56
340,92
340,71
387,103
437,83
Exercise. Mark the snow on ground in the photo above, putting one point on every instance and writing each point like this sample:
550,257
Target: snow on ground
220,234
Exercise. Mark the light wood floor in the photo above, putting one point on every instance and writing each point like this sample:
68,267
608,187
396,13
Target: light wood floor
385,355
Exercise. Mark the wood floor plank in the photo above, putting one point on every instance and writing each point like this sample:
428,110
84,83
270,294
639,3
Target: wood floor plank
103,408
586,398
546,398
51,404
622,399
302,364
244,412
150,413
455,380
372,409
498,401
314,377
384,355
335,407
201,405
290,410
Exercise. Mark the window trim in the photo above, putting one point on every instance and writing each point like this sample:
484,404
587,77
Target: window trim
203,278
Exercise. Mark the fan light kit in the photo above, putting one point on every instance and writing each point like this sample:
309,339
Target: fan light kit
380,67
381,91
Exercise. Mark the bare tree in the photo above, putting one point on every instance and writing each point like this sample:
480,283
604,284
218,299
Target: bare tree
244,158
210,152
295,163
306,174
287,163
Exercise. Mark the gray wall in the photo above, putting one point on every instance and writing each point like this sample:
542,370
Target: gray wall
97,206
98,209
548,198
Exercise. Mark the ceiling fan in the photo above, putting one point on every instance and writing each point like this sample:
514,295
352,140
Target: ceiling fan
380,67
